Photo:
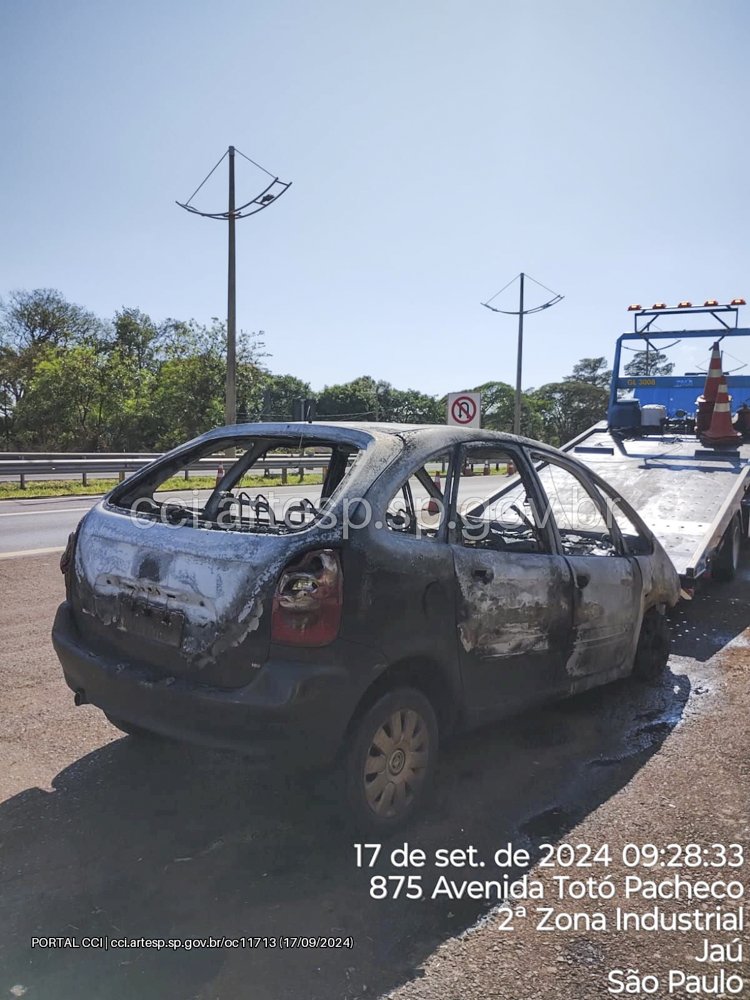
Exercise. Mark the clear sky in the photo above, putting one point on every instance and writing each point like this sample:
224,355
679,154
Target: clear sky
436,148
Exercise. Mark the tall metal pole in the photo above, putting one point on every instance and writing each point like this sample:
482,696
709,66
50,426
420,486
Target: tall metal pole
520,313
519,365
268,196
230,397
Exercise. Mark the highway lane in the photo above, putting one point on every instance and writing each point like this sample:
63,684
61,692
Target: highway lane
44,524
34,525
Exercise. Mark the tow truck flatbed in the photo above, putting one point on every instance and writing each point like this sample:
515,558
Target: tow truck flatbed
685,493
696,499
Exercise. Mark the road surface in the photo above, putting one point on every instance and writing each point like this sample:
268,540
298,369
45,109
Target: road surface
28,526
42,525
103,835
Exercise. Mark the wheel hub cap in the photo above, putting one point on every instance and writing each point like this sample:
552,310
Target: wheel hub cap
396,763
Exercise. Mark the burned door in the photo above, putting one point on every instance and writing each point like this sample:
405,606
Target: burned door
400,566
607,585
513,592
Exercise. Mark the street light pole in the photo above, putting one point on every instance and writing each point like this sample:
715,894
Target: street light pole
521,312
271,193
230,395
519,364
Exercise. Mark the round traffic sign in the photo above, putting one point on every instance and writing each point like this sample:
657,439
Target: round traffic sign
463,409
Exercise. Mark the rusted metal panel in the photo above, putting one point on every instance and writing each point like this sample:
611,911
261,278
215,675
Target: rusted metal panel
606,615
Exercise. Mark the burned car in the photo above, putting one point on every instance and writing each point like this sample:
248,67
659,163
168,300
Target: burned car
425,579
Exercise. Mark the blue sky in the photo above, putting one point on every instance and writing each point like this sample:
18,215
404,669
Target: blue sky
435,148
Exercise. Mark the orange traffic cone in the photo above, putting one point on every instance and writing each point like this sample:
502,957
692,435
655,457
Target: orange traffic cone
721,434
715,375
705,403
433,507
219,474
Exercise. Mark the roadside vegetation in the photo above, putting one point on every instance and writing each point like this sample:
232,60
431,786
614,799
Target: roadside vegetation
96,487
39,488
73,381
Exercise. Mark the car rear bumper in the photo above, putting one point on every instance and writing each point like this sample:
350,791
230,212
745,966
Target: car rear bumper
291,713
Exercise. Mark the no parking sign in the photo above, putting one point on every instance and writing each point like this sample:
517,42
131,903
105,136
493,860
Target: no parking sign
464,409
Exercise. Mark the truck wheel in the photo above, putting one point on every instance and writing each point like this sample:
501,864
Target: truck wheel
654,642
727,558
130,729
390,763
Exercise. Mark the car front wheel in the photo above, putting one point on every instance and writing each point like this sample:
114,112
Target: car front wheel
654,642
391,760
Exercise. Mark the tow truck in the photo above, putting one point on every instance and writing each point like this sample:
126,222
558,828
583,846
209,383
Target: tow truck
696,499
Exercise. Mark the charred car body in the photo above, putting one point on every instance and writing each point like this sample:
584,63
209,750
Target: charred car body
437,578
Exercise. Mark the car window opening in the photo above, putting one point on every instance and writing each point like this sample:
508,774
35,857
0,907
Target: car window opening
577,509
504,520
269,486
418,507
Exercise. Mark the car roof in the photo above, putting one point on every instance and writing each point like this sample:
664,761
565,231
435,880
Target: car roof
347,430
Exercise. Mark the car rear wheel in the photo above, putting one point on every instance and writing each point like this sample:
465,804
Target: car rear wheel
728,556
391,760
130,729
654,643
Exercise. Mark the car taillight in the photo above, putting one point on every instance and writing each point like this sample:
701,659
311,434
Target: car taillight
66,559
66,562
308,599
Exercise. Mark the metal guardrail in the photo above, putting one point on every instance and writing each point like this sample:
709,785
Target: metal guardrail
30,466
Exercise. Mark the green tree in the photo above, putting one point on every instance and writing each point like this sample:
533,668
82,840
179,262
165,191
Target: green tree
74,398
649,363
498,408
136,336
187,399
187,389
31,322
567,409
591,370
31,319
13,378
275,395
407,406
365,399
355,400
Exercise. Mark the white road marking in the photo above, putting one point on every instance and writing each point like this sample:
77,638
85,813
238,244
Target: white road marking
58,510
32,552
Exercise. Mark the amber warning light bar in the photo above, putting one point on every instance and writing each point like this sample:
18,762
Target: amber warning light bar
708,304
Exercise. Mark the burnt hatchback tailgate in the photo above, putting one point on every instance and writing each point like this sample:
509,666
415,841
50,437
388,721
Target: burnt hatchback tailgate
180,601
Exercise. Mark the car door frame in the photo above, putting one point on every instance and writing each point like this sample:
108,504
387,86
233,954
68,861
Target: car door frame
401,584
505,679
583,671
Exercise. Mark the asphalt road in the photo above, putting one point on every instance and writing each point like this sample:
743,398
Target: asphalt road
105,835
28,526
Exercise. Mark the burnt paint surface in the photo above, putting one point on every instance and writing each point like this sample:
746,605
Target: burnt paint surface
188,601
399,589
606,617
219,583
514,624
208,593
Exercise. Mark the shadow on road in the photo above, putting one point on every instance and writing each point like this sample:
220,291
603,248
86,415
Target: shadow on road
144,839
720,613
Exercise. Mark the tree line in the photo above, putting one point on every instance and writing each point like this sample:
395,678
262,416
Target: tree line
70,380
